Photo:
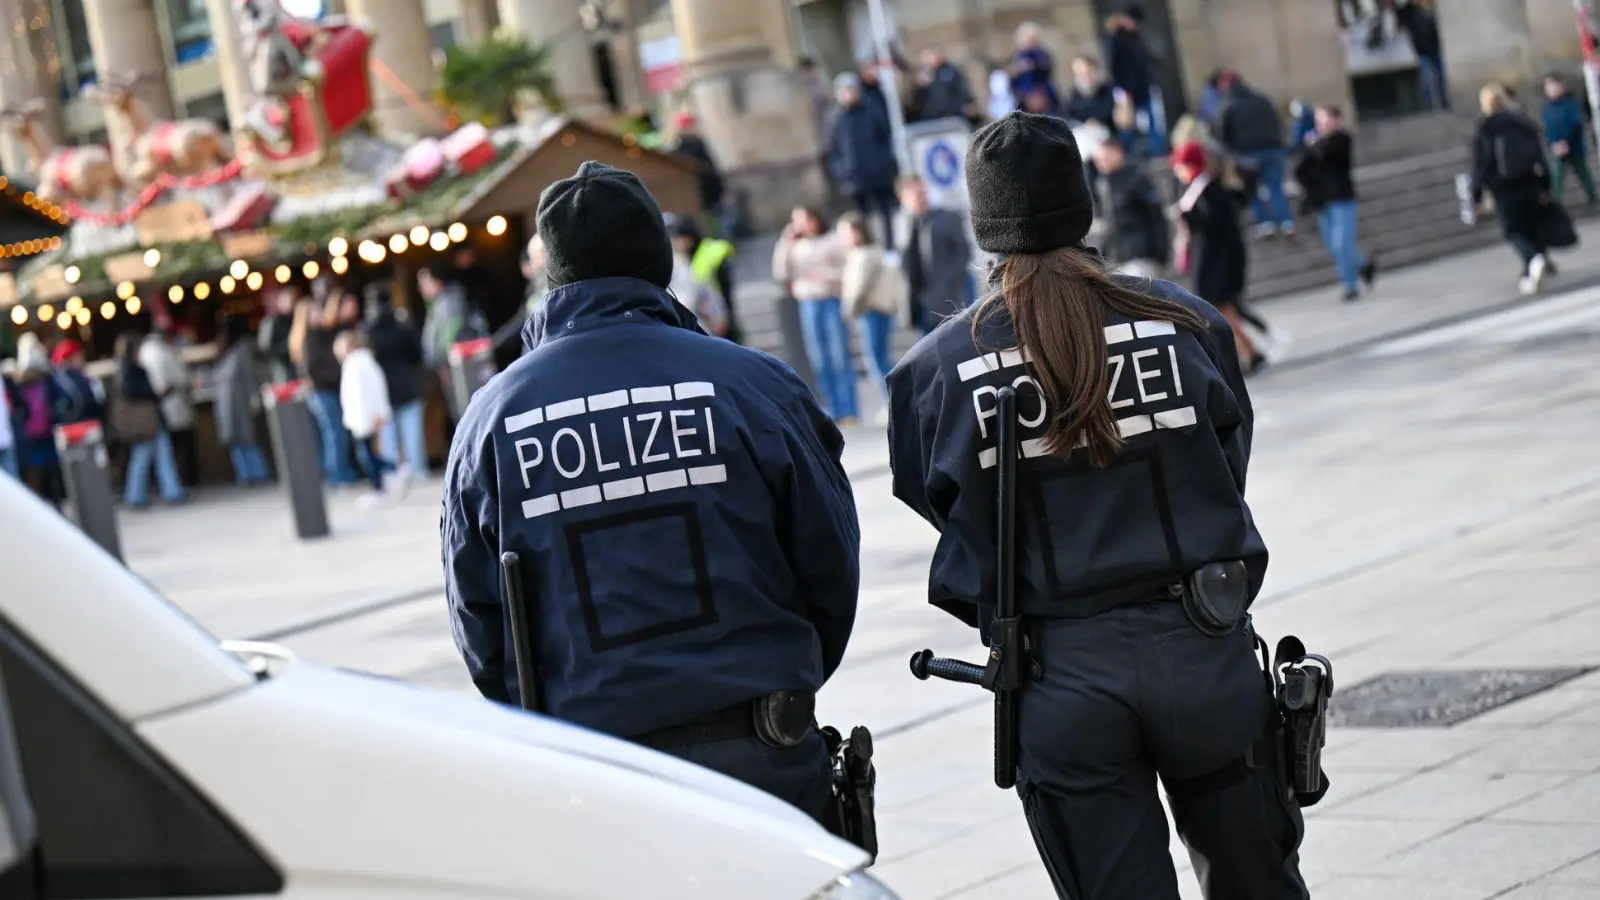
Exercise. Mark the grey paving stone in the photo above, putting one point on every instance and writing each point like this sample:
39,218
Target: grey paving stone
1447,796
1496,855
1576,801
1372,887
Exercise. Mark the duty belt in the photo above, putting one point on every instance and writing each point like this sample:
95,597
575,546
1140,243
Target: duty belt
736,721
780,719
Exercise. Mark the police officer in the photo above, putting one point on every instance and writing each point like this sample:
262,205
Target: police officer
687,536
1137,555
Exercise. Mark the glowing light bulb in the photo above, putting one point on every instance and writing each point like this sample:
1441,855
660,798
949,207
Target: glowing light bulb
64,321
283,274
47,312
227,283
253,281
397,243
496,226
310,269
108,310
83,316
72,274
239,269
340,265
419,235
125,290
202,291
338,247
175,293
74,304
19,315
458,233
133,306
439,241
152,257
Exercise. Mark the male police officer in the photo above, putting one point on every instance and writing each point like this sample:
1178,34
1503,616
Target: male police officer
687,534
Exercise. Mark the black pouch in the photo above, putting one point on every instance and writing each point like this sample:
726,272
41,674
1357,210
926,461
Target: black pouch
784,718
1216,596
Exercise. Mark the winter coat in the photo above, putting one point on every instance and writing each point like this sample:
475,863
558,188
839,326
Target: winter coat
1249,122
170,378
77,397
321,365
1137,220
363,394
692,148
935,256
1128,64
1563,121
860,150
811,267
945,95
1423,28
871,284
233,397
1099,104
273,342
398,349
1325,171
1034,71
1216,241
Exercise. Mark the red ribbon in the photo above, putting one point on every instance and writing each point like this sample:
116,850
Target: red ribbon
152,192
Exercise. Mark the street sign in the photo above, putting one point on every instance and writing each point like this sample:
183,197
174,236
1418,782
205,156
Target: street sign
938,153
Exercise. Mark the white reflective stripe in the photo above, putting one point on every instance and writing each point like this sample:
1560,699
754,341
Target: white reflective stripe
987,458
610,400
565,408
651,394
1152,327
1175,418
1116,334
666,481
976,366
690,389
1133,425
627,487
580,496
520,421
1014,357
708,475
540,506
1034,447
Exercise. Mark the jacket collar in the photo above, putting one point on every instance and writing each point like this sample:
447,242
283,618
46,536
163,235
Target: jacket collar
585,305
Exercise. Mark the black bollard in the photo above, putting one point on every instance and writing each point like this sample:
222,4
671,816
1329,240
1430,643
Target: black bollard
86,471
794,342
295,445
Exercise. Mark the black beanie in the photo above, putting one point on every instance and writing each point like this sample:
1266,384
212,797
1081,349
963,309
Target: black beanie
602,223
1027,186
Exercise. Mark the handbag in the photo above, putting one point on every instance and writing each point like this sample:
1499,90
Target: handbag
1555,226
135,421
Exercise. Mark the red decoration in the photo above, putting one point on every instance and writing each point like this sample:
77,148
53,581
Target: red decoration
78,433
469,148
247,208
418,168
345,94
152,192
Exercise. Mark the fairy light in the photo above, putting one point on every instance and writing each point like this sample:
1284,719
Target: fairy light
47,312
419,235
439,241
202,291
338,247
175,293
253,281
72,274
227,282
74,304
283,274
397,243
310,269
496,226
19,316
340,265
82,316
239,269
108,310
458,233
133,306
64,321
152,257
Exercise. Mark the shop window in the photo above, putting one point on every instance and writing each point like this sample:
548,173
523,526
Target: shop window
190,28
113,819
443,35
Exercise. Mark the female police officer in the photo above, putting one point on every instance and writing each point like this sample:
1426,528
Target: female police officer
1135,434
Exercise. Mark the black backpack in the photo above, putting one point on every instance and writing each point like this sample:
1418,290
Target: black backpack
1519,153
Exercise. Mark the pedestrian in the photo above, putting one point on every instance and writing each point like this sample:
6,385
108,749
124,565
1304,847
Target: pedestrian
234,394
1209,211
872,95
33,421
1001,99
1252,130
711,262
450,319
1128,62
364,405
76,397
8,430
1138,240
935,257
1567,133
272,336
942,91
397,347
138,419
861,152
1326,174
698,295
1033,70
169,375
809,262
316,325
873,293
1125,687
1508,162
689,146
1092,98
1416,19
693,578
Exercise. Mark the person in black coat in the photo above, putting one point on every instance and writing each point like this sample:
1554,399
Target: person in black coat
1128,62
1092,98
692,148
397,346
1508,162
1137,237
1209,210
1330,192
942,91
1417,20
861,152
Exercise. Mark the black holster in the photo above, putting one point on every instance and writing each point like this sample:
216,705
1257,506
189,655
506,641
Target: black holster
1302,684
1216,596
852,812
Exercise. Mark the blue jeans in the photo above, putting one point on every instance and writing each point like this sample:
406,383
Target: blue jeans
1338,221
1154,135
1270,164
877,329
8,462
249,464
1431,70
828,348
137,491
335,440
402,436
371,461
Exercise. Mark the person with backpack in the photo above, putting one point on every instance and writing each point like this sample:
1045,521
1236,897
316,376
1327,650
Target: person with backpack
1251,129
1508,161
138,421
78,398
33,421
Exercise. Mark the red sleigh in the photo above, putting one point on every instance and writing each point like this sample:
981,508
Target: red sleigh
335,97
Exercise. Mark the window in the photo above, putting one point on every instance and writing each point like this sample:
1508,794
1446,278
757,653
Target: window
113,819
77,58
191,29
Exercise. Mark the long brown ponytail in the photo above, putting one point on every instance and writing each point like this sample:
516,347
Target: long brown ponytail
1057,303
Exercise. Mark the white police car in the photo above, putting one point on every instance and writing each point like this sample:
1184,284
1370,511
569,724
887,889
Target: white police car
160,764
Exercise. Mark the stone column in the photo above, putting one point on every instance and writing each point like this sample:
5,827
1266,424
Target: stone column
479,19
572,58
1555,36
752,108
126,39
232,67
29,70
401,44
1483,41
1285,48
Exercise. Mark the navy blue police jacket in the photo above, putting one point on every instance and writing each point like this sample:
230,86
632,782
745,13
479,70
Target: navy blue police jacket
687,533
1089,539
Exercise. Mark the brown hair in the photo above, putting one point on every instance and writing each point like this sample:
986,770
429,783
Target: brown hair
1057,303
858,223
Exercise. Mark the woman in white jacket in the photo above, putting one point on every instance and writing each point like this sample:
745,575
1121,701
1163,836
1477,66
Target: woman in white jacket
364,398
873,291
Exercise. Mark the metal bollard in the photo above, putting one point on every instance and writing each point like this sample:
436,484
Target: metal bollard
471,367
295,446
86,471
794,344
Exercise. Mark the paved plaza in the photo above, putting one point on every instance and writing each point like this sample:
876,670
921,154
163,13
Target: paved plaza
1426,476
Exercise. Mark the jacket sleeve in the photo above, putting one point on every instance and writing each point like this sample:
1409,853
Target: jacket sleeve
853,283
472,567
912,439
1482,164
816,517
1237,438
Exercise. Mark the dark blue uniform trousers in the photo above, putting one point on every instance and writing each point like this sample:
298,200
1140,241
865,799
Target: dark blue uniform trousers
802,774
1135,694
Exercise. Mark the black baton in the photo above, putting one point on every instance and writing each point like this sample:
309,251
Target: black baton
522,638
